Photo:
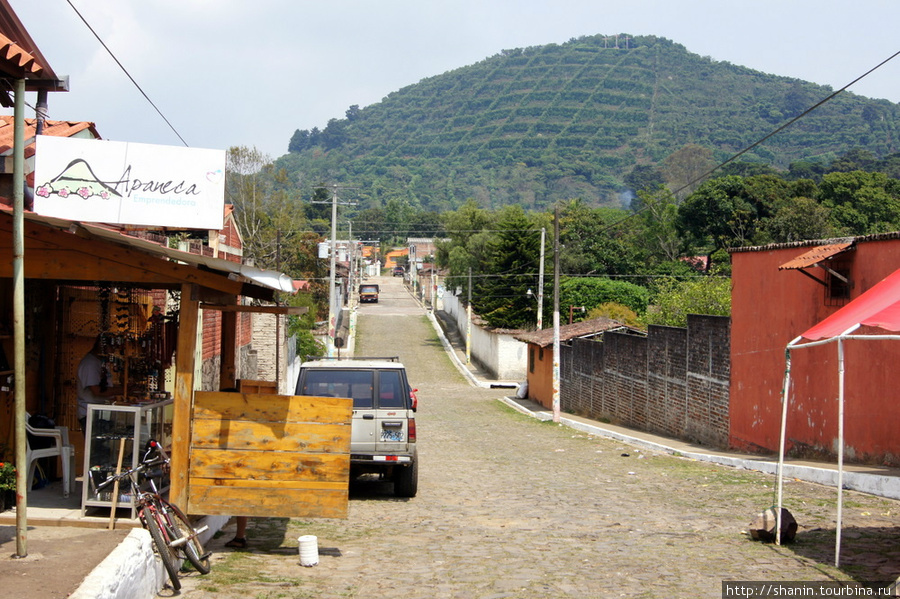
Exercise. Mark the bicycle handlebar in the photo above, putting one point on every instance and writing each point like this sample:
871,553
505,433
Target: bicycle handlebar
144,466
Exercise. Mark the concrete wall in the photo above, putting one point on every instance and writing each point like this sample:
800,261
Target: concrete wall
673,382
770,307
502,356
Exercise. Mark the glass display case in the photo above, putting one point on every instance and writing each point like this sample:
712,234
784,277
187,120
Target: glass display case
125,429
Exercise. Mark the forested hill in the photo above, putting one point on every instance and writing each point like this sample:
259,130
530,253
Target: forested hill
536,125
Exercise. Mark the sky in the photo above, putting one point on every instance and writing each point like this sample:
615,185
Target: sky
229,73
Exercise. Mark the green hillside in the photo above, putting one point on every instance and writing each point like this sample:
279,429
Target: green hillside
536,125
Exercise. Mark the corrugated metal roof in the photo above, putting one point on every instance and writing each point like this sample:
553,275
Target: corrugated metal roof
816,255
544,338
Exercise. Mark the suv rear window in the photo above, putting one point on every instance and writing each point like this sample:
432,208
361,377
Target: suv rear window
357,384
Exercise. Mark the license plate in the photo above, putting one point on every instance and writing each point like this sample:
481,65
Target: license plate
391,435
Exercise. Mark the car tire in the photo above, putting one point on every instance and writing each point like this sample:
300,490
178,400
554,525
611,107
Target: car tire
406,480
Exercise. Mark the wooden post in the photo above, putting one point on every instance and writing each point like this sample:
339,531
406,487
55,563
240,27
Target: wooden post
184,393
227,350
115,492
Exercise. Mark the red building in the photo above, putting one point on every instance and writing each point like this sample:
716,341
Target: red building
778,292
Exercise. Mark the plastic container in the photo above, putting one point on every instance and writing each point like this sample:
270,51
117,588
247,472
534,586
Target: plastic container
309,550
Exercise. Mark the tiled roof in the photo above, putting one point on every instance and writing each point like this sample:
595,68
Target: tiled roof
20,58
585,328
16,61
816,255
53,128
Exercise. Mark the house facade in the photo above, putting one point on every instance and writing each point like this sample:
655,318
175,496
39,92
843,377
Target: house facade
779,291
539,375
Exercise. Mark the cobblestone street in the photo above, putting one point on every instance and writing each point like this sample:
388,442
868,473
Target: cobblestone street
512,507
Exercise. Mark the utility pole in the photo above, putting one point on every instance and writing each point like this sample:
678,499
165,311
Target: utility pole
469,322
556,314
332,313
540,293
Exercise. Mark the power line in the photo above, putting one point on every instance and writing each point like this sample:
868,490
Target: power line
124,70
760,141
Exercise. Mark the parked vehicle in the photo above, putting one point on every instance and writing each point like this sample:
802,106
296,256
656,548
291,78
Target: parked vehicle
368,293
383,435
399,271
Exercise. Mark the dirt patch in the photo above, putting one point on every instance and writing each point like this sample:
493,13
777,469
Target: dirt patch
57,561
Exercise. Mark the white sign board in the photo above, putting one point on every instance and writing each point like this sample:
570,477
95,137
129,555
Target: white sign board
129,183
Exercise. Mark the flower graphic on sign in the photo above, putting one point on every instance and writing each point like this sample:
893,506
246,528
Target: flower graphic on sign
77,178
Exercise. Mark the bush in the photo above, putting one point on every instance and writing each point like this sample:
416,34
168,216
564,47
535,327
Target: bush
700,295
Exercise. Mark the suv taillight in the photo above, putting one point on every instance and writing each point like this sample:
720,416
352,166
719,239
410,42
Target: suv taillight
411,430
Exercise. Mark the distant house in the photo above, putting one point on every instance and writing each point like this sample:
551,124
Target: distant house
390,259
778,292
539,375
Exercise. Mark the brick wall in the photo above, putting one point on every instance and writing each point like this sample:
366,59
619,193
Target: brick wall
673,382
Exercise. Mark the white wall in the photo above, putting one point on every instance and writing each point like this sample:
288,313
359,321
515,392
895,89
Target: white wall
503,356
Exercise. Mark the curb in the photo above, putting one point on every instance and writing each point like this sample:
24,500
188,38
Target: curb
865,482
133,570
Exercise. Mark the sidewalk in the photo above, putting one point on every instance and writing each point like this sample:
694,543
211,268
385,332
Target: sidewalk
874,480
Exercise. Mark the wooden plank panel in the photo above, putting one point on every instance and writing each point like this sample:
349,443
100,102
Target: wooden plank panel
271,408
271,436
188,318
268,465
280,503
270,484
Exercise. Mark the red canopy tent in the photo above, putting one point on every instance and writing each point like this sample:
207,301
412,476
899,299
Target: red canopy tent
878,307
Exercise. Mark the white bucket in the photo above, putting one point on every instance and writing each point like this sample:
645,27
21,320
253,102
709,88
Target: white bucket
309,550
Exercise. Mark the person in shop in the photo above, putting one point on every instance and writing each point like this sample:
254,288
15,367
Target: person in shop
92,383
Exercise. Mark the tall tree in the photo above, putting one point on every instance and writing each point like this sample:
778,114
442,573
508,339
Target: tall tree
501,296
268,214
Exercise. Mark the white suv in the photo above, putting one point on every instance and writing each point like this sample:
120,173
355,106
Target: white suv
383,435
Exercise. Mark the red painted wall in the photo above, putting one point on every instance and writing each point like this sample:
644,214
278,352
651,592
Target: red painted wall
540,377
769,309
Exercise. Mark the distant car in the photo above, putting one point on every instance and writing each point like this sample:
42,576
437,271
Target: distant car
399,271
368,292
383,435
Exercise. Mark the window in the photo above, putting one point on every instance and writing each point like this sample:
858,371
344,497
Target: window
837,283
390,390
341,383
531,359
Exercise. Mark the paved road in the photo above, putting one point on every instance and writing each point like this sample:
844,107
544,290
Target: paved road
511,507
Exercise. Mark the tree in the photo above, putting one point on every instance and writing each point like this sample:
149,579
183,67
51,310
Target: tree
684,168
501,296
593,242
799,219
266,211
718,214
700,295
659,215
861,203
591,292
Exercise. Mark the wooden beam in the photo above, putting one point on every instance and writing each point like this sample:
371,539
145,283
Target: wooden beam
228,351
53,250
290,310
188,318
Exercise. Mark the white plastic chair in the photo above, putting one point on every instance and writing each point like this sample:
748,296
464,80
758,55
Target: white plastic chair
60,448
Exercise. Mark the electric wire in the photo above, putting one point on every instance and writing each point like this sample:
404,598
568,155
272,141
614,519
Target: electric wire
760,141
124,70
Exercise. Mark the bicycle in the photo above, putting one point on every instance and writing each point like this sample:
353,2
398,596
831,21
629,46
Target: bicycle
173,535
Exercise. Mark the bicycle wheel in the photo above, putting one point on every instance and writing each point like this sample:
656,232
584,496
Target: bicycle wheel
169,559
192,548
